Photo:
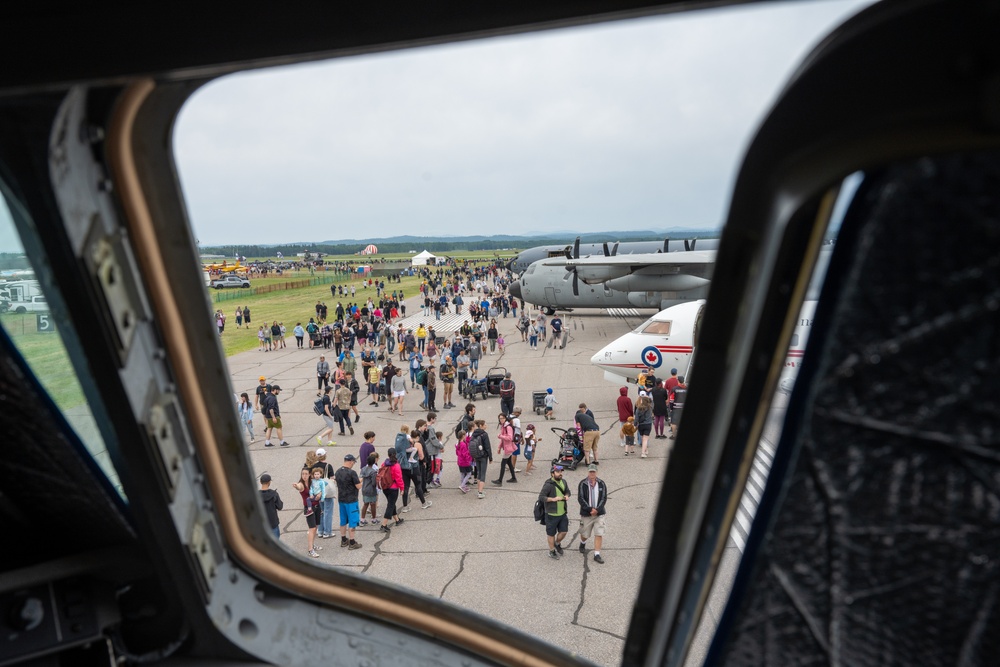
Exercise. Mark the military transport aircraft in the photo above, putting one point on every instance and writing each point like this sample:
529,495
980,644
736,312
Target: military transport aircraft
526,258
656,280
875,540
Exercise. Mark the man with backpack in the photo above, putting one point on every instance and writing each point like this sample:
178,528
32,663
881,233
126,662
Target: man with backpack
507,388
555,493
422,383
481,452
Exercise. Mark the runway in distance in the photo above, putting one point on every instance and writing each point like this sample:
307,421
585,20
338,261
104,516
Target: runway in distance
669,339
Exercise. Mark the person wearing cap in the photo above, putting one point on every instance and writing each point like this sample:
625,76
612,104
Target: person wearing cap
263,389
671,381
348,487
679,397
272,503
507,389
272,417
555,493
550,404
592,494
325,527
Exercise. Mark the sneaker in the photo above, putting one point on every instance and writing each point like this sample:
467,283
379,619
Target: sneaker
463,489
496,482
512,481
362,523
399,522
357,418
268,444
384,529
353,545
598,559
319,441
583,547
426,505
343,541
481,495
596,462
517,470
404,510
284,443
351,428
552,554
559,549
313,553
643,455
670,438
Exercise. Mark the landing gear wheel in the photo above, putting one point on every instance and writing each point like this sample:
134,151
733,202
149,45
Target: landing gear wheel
549,311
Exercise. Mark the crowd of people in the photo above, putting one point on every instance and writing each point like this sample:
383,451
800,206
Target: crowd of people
660,403
370,353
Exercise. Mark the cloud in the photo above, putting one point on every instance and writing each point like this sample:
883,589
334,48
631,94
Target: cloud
630,125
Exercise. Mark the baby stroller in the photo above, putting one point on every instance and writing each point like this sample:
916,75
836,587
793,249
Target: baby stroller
570,448
475,386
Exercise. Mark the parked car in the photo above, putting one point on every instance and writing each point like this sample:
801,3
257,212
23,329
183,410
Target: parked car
38,304
230,281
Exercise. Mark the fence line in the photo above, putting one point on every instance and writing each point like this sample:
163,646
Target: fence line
233,293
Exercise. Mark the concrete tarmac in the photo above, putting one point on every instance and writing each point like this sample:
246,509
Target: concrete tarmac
489,554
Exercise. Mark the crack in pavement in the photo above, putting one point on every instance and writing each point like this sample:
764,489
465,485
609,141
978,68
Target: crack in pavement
376,553
583,596
461,567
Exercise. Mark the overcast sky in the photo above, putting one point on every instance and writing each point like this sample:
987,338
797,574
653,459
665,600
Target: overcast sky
631,125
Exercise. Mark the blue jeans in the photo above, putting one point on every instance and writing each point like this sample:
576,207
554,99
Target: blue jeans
420,344
277,532
327,522
425,394
437,314
413,376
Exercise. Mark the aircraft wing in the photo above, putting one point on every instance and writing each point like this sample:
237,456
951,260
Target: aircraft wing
596,269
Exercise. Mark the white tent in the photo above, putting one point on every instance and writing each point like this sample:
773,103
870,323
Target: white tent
423,259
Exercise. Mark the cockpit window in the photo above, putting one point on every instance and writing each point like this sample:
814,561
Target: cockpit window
37,333
655,327
486,139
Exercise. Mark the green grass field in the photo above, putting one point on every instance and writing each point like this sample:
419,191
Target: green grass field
48,359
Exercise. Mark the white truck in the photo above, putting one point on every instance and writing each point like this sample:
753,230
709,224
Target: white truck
230,281
36,304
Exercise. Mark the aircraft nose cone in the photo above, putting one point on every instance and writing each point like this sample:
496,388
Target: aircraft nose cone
515,289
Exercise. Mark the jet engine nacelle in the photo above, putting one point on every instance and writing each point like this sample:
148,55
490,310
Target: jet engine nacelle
636,282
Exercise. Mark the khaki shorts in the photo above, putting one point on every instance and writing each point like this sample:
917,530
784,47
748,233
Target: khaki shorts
273,423
592,524
590,440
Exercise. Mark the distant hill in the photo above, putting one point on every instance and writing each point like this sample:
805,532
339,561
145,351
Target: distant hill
402,244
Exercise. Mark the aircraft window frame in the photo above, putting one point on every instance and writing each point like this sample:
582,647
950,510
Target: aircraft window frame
65,383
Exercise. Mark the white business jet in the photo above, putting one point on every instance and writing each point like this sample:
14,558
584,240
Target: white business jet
669,339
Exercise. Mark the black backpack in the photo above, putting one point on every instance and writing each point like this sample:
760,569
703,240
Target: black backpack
476,447
540,510
318,406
